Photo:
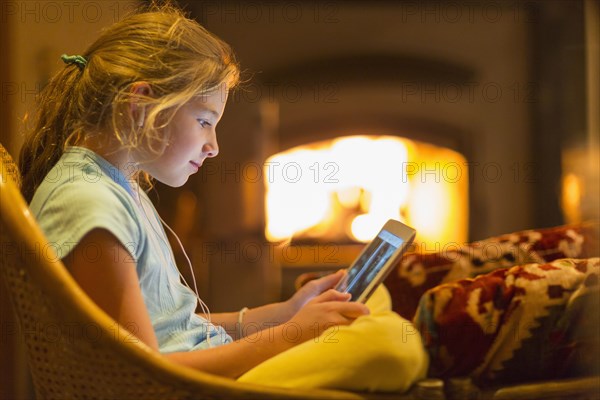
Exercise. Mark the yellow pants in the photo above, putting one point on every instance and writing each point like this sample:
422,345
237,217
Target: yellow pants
377,352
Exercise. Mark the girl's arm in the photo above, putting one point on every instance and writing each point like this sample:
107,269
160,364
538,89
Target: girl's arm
270,315
110,279
113,284
254,320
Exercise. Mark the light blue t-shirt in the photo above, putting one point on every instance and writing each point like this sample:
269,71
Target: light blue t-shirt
83,191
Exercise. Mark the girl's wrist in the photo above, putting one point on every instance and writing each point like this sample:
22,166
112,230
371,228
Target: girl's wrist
288,309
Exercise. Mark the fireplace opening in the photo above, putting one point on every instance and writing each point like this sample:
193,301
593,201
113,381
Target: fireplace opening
343,190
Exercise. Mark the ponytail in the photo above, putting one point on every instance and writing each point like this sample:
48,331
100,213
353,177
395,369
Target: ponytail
54,127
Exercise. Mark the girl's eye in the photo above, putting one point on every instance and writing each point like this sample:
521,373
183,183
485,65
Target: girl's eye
203,123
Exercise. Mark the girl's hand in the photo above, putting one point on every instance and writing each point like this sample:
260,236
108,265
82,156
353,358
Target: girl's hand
328,309
278,313
312,289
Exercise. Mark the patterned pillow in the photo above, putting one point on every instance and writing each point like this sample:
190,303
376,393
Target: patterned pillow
534,321
416,273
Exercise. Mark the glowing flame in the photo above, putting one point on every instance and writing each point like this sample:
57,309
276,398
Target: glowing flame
371,179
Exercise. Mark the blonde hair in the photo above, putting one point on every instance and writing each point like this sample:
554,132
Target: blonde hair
159,45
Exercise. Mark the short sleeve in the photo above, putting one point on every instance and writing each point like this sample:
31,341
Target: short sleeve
74,209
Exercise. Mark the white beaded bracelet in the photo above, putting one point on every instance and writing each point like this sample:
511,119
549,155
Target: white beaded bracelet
240,320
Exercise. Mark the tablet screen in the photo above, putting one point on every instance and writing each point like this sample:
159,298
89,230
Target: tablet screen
370,263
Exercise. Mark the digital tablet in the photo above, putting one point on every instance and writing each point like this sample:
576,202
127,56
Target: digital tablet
376,260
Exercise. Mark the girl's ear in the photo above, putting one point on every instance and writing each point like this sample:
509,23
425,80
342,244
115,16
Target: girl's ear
139,90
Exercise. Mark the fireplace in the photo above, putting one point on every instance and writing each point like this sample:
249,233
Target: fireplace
325,199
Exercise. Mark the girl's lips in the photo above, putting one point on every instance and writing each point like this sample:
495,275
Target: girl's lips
195,164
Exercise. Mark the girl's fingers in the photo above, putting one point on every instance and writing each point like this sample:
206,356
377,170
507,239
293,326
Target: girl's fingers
352,309
332,295
338,302
328,281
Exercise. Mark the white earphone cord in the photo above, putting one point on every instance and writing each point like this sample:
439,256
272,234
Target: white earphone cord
203,305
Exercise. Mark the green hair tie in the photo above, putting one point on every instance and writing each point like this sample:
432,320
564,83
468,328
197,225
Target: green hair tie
80,61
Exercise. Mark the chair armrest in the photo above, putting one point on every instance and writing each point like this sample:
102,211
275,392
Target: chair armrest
568,389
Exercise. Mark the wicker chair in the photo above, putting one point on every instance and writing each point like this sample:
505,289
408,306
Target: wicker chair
76,351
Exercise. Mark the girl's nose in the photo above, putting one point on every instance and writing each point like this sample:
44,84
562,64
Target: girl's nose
211,149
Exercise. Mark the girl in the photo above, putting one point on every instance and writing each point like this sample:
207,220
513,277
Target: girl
143,103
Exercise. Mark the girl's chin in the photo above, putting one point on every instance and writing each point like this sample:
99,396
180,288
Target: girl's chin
175,181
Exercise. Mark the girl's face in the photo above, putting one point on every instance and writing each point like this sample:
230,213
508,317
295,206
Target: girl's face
193,138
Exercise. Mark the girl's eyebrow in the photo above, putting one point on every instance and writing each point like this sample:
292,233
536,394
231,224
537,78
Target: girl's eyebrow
210,111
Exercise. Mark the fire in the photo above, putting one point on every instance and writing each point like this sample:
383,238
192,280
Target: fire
352,185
